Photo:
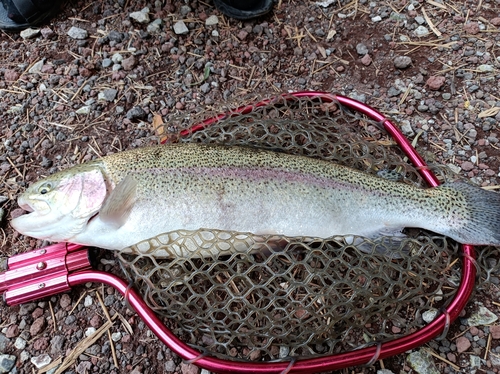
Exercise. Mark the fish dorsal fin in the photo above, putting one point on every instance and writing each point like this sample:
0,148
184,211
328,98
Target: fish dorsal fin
119,203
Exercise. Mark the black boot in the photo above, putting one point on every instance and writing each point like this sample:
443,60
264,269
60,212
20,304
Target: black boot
244,9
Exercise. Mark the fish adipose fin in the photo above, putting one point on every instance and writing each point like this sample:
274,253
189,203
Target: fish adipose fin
117,207
479,224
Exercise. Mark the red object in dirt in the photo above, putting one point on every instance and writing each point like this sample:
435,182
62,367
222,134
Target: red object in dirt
42,272
61,266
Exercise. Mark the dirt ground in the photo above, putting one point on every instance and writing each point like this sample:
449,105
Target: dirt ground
69,96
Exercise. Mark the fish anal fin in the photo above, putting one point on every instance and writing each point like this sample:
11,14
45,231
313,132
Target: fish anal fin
118,205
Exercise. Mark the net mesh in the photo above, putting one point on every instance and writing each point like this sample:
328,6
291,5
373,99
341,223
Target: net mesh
238,295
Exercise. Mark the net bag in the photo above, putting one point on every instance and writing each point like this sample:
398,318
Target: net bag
239,296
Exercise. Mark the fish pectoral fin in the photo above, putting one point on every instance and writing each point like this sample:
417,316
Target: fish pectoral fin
117,207
391,243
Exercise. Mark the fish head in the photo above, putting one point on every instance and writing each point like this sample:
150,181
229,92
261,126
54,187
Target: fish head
60,206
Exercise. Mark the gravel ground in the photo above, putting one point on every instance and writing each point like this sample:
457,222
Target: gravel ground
90,83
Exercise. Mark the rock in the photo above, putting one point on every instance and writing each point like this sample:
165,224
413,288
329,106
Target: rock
429,315
29,33
393,91
65,301
41,344
4,341
212,20
108,95
402,62
10,75
495,21
57,344
7,362
12,331
154,26
242,35
20,343
486,68
472,28
83,110
36,68
141,16
38,326
495,331
107,62
376,19
406,128
136,113
482,317
116,336
129,63
88,301
77,33
435,82
366,60
467,166
422,362
189,369
463,344
41,361
421,31
361,49
384,371
47,32
90,331
180,28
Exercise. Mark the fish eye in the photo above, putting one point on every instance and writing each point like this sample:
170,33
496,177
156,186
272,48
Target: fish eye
45,188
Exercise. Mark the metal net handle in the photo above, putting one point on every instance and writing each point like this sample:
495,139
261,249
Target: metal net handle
362,356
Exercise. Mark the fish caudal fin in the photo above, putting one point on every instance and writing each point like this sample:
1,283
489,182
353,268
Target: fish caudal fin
477,222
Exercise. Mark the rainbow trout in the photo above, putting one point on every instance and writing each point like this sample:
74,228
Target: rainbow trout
121,199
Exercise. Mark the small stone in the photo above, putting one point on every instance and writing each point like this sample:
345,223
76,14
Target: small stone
242,35
36,68
421,31
467,166
116,336
472,28
47,32
402,62
117,58
65,301
77,33
361,49
376,19
483,316
38,326
12,331
10,75
446,96
20,343
83,110
205,88
366,60
41,361
88,301
393,91
136,113
212,20
90,331
189,369
435,82
495,331
384,371
141,16
129,63
107,95
429,315
57,344
107,62
29,33
7,362
463,344
180,28
422,362
486,68
495,21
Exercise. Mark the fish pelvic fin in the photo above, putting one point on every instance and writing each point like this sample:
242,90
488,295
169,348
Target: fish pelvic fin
117,207
477,220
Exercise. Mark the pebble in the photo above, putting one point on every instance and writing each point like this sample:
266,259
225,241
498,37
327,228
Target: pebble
212,20
402,62
463,344
90,331
141,16
65,301
384,371
20,343
29,33
486,68
155,26
421,31
467,166
88,301
435,82
376,19
189,369
429,315
38,326
41,361
107,62
180,28
83,110
422,362
361,49
116,336
7,362
129,63
482,317
136,113
36,68
495,331
77,33
366,60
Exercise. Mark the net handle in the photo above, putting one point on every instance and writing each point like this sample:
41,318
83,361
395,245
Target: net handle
316,364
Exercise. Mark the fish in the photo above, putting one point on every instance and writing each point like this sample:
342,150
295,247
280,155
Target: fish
124,198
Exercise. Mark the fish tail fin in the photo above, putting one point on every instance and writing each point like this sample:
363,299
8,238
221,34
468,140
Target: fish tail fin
476,219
